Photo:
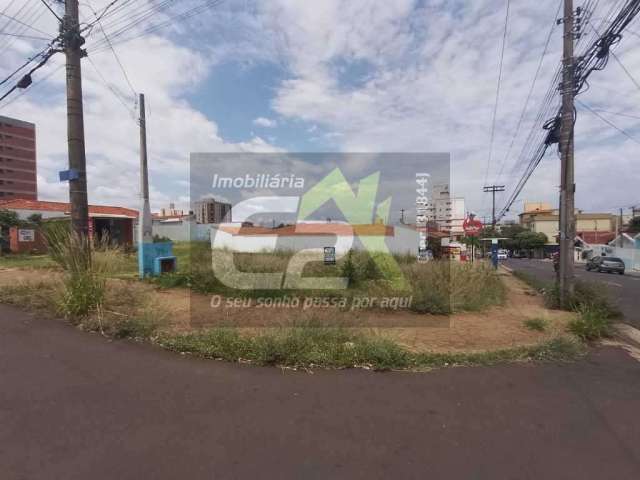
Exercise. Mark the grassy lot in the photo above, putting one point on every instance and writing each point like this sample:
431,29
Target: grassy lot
127,311
26,261
438,287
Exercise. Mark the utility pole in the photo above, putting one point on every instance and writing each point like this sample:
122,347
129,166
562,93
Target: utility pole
73,42
402,216
145,232
493,189
567,185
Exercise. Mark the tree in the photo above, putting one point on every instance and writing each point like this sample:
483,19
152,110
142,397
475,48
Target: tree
634,225
9,219
528,240
35,218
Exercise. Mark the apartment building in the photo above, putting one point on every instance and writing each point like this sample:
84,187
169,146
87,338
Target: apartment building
446,211
17,159
210,210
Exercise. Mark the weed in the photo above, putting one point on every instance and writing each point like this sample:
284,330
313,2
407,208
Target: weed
591,323
537,324
340,348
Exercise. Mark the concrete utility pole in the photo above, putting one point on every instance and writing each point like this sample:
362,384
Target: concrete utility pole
567,185
493,189
73,42
145,232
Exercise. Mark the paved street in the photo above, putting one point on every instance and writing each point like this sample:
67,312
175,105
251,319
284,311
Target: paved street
623,289
74,406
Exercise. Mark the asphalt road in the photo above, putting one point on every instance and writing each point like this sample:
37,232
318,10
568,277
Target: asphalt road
74,405
624,290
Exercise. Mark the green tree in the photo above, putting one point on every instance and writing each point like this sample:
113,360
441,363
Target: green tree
35,218
528,240
634,225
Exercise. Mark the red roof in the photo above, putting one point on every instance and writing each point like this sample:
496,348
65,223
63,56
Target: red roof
596,238
44,206
312,229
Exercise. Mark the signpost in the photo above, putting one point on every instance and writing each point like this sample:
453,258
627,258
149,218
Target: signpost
472,229
329,255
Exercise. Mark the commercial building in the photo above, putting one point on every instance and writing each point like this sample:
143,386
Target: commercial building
210,210
17,159
115,222
591,227
446,211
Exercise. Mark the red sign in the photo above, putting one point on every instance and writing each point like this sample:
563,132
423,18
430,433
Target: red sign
472,227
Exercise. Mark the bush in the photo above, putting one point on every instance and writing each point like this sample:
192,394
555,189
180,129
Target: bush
537,324
85,277
586,296
592,323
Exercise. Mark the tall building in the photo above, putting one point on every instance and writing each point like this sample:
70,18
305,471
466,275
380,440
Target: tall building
446,211
17,159
211,211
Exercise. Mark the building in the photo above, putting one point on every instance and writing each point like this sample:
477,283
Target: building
170,212
398,239
17,159
591,227
210,210
446,211
116,222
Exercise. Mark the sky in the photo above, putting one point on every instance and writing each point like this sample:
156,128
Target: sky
327,76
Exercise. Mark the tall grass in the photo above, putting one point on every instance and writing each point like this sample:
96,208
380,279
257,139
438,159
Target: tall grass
86,268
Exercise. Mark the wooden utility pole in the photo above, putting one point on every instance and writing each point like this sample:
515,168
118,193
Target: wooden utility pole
567,184
493,189
73,42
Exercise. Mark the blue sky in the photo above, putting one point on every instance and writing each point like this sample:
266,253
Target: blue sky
333,75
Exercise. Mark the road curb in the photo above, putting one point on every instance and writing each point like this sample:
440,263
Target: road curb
627,333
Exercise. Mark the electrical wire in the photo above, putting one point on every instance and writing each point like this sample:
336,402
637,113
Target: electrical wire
608,122
497,98
124,72
530,93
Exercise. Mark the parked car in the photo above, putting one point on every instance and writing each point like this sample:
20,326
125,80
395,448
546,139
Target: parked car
503,254
606,264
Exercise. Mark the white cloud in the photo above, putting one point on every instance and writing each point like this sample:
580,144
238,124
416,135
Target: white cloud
155,65
265,122
375,76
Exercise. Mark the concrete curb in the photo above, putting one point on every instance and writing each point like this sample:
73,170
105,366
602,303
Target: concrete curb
627,333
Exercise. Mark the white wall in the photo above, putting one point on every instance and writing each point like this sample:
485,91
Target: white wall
405,240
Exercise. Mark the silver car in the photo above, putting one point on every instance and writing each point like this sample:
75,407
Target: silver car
606,264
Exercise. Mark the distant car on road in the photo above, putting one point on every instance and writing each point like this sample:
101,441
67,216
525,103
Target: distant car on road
503,254
606,264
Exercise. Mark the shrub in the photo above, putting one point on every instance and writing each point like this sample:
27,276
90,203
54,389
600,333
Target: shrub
537,324
592,323
586,296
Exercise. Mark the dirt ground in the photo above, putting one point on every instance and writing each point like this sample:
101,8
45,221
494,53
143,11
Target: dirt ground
494,328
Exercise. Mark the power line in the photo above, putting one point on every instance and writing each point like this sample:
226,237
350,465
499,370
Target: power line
495,107
124,72
619,114
44,2
608,122
22,23
33,86
531,89
594,58
112,89
26,80
28,37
